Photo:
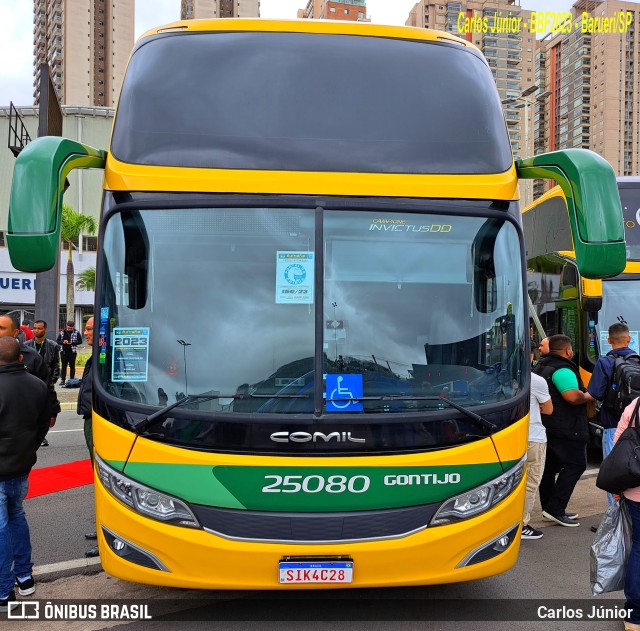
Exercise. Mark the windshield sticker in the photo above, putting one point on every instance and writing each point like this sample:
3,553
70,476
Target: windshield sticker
103,334
344,393
130,357
605,347
294,278
402,225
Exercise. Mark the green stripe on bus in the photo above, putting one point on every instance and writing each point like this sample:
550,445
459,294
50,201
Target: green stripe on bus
312,488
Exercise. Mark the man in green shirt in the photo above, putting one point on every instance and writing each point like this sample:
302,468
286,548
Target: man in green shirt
567,431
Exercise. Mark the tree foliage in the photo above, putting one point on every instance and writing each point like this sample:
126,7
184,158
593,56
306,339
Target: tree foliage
74,225
86,280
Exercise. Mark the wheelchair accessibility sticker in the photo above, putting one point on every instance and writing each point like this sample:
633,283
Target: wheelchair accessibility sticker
343,392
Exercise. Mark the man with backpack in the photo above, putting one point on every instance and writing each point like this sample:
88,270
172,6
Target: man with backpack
615,382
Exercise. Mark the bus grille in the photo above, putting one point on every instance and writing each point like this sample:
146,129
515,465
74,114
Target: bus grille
314,527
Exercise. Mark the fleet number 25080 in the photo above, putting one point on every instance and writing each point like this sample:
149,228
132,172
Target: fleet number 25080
316,484
354,484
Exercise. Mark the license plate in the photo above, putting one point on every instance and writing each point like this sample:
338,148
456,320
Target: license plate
316,572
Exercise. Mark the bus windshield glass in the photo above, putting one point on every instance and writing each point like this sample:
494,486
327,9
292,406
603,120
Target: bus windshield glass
620,303
239,320
385,105
630,200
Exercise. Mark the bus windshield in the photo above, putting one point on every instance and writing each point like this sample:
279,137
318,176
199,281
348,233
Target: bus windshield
240,315
384,106
630,199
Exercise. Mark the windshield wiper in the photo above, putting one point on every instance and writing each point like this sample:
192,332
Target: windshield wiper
479,420
472,415
140,426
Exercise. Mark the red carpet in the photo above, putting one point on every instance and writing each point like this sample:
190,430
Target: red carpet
60,477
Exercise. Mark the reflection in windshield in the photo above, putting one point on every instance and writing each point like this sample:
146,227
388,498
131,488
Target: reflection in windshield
415,307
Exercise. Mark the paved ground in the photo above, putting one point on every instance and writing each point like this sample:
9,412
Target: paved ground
68,397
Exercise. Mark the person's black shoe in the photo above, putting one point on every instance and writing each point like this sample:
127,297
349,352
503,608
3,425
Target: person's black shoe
45,443
92,552
8,603
594,528
561,520
62,382
27,586
90,535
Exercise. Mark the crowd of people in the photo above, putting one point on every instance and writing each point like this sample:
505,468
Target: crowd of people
29,406
558,438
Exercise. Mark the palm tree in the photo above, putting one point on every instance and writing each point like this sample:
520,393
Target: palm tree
74,224
86,280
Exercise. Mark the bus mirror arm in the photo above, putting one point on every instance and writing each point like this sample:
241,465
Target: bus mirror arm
593,203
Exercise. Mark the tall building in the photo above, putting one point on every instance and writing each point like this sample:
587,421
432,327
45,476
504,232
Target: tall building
593,75
203,9
87,46
494,26
351,10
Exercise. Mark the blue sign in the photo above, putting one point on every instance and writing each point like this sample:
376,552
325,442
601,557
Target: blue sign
343,392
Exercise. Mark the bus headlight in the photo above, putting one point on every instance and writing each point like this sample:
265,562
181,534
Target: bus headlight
480,499
145,500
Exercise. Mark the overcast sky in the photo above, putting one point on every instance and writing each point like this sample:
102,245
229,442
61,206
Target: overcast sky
16,31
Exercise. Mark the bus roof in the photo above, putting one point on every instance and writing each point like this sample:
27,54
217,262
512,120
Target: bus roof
338,27
283,106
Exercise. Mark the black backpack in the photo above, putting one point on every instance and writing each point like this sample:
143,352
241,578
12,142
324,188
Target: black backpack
625,383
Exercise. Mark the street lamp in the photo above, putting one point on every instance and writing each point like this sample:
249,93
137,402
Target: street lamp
525,100
184,351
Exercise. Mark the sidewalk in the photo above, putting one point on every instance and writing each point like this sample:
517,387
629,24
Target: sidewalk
68,397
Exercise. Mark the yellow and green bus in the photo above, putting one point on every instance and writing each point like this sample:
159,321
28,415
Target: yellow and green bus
565,301
311,360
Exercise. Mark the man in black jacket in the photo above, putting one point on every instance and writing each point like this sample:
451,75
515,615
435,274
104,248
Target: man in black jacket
49,351
69,339
10,326
84,409
24,421
567,431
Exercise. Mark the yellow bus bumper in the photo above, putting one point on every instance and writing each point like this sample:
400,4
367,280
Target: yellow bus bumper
201,560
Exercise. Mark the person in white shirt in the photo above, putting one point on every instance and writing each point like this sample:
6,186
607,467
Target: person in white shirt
540,402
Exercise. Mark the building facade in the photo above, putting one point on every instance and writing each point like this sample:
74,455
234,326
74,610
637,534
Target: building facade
87,46
593,74
206,9
350,10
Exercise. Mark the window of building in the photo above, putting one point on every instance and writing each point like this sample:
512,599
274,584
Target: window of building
90,244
